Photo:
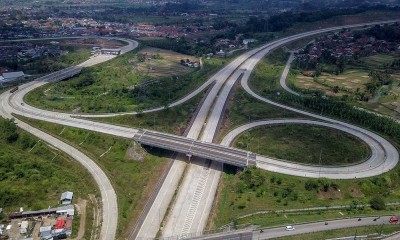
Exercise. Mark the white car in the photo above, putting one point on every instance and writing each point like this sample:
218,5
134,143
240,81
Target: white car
289,228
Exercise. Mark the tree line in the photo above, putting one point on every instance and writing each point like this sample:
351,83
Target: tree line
342,110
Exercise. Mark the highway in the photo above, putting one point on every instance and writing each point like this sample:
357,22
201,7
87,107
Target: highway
187,215
109,208
320,226
189,211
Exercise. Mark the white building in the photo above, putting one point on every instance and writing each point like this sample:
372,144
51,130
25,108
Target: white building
12,76
66,197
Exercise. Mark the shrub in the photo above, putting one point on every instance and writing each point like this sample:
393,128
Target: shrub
311,184
377,203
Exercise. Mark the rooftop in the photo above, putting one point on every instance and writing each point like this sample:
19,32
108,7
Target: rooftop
9,75
66,195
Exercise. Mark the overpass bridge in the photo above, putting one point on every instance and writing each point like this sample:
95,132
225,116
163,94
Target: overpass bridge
60,75
192,147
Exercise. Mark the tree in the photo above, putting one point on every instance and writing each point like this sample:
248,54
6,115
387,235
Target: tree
9,130
377,203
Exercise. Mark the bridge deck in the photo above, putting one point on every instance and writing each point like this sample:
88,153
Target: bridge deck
61,74
197,148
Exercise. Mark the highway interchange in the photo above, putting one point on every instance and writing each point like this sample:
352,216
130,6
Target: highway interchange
199,184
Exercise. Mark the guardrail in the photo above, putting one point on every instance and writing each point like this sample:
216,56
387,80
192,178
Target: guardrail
192,147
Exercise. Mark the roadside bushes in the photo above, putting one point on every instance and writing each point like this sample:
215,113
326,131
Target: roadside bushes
322,184
377,203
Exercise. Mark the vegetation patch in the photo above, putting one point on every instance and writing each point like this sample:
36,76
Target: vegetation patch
119,85
33,175
171,120
255,190
305,144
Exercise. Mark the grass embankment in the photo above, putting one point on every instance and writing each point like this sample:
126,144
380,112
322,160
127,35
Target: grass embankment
33,175
300,143
347,232
119,85
171,120
132,171
257,190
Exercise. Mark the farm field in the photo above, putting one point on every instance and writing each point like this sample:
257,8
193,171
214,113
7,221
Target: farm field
353,81
156,62
348,82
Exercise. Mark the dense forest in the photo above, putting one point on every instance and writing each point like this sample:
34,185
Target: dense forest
288,19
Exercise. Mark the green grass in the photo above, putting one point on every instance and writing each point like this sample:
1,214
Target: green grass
347,232
110,87
132,179
293,218
243,109
237,197
171,120
305,144
33,174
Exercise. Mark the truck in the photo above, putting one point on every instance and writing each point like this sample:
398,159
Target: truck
14,90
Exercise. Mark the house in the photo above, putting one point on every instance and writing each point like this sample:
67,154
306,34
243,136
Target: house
45,232
250,40
12,76
221,53
59,224
24,227
66,197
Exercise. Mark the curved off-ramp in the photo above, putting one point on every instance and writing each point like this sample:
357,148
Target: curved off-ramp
383,157
8,106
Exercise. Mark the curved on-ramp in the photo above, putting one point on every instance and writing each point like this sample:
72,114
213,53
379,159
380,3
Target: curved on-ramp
382,159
